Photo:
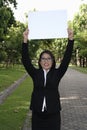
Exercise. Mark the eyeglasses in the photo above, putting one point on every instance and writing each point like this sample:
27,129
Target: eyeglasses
46,59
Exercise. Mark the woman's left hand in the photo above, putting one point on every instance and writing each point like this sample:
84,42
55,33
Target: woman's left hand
70,34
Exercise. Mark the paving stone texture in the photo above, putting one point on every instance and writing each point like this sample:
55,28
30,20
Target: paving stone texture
73,93
73,90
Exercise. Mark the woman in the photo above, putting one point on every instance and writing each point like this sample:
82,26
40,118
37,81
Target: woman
45,100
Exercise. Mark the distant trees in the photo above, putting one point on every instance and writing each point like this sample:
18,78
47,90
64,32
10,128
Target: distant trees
80,30
57,46
11,46
11,32
6,17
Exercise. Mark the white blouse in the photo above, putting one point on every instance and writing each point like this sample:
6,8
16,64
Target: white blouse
44,100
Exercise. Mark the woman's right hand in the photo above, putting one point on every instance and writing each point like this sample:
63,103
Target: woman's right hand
25,35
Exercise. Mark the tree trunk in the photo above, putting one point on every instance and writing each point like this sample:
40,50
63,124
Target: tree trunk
77,58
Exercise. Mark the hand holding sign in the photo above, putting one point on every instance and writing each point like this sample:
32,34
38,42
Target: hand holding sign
47,24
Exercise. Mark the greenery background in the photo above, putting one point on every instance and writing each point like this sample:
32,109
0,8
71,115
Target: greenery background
13,111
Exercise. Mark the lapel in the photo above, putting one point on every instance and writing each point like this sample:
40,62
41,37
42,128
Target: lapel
42,79
41,76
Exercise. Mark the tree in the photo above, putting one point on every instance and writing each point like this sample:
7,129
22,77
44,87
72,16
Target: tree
6,17
7,2
57,47
12,44
80,29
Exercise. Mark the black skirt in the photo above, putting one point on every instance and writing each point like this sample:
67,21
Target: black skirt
45,121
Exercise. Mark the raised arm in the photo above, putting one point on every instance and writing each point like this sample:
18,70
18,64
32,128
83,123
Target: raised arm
25,55
68,53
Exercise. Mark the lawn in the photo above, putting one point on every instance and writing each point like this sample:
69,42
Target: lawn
80,69
10,75
14,110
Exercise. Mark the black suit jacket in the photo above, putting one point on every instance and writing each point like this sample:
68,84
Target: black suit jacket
50,91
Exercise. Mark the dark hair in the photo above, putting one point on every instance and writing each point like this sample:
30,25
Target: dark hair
51,55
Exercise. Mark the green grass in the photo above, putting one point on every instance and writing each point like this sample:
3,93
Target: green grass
80,69
10,75
13,111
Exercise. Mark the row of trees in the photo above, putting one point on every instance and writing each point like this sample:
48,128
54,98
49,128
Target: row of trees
11,38
10,33
80,28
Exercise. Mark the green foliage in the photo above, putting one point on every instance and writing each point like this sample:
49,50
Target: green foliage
6,17
12,43
3,55
80,31
80,19
7,2
11,37
57,46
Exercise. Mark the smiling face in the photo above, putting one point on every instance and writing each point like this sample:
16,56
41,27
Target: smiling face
46,61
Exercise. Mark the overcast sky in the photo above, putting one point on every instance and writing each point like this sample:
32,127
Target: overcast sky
24,6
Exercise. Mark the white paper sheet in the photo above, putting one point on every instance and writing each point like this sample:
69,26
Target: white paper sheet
47,24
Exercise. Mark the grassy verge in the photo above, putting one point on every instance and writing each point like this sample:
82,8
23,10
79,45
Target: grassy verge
80,69
13,111
10,75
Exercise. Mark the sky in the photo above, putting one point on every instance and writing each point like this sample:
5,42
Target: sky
24,6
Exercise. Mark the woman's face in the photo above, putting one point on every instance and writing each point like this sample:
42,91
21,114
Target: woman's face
46,61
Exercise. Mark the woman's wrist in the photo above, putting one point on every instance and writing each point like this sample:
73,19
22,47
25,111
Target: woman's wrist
25,35
25,40
71,38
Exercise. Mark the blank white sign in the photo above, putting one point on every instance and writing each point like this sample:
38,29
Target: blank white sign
47,24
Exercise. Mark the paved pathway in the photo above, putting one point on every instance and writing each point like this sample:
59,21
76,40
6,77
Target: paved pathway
73,91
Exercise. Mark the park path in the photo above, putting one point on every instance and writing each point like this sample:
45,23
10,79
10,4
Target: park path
73,92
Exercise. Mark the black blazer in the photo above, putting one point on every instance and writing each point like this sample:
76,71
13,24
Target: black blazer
50,91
